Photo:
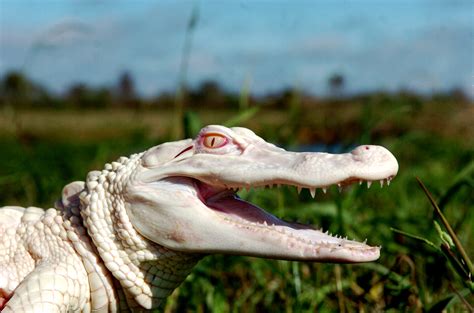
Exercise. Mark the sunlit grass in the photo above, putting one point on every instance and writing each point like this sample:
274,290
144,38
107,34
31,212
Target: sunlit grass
41,151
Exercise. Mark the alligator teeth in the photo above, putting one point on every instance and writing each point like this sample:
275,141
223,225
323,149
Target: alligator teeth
312,190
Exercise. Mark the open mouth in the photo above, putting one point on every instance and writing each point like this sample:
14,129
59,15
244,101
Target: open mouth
248,217
201,203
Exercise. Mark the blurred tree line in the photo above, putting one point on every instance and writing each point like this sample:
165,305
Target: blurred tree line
18,91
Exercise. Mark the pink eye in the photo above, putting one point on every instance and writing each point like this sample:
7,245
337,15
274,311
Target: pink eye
214,141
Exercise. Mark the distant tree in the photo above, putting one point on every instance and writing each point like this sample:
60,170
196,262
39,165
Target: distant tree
455,94
17,90
336,84
126,91
103,97
210,94
14,87
81,96
15,82
76,94
164,100
458,95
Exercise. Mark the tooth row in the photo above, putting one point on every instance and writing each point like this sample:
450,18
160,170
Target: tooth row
312,190
290,235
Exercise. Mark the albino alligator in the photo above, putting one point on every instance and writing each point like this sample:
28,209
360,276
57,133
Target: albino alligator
129,235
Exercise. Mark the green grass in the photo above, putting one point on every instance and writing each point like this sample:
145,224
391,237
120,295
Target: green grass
410,275
43,151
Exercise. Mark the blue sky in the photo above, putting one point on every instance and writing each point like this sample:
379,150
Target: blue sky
422,45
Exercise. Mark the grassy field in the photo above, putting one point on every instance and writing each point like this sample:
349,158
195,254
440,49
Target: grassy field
42,150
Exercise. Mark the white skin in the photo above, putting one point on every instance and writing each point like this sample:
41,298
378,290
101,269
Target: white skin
137,227
194,179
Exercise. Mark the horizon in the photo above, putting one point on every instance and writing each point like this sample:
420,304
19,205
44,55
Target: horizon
419,46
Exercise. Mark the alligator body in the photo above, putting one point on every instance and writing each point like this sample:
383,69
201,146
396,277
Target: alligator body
129,235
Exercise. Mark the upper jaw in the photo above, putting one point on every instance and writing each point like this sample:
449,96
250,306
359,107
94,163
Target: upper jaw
263,167
267,165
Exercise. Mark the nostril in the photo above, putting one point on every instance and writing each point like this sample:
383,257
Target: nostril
360,150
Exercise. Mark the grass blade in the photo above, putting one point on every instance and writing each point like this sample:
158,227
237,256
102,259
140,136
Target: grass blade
401,232
451,232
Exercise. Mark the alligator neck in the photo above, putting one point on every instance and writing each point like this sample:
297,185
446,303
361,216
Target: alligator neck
147,272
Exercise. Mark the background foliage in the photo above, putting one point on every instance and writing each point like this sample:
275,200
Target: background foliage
48,140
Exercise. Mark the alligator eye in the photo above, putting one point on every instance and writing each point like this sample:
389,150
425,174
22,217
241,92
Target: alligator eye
214,141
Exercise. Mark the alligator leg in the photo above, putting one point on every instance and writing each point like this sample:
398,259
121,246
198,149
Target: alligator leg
52,287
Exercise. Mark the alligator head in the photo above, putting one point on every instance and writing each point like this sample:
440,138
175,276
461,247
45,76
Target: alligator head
152,216
184,196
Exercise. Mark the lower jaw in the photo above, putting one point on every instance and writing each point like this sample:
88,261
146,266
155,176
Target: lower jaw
243,214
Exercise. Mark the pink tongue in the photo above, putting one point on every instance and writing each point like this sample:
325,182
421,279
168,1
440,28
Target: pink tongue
237,209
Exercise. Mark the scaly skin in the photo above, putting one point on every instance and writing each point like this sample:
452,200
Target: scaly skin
129,235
